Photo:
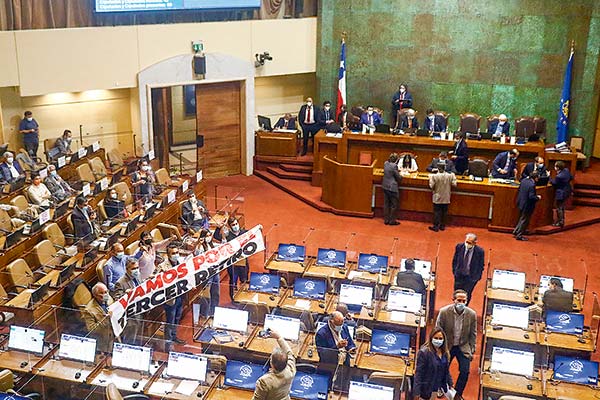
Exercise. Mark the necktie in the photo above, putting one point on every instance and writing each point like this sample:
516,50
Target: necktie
466,268
410,122
327,115
370,120
286,124
307,115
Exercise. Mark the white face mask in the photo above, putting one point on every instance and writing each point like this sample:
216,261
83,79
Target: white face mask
53,173
105,298
120,254
469,246
402,90
29,119
309,103
431,117
145,168
337,328
235,228
437,342
114,196
370,112
327,108
10,160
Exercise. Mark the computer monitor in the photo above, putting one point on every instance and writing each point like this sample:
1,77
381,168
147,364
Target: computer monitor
187,366
264,283
264,122
310,386
131,226
291,252
149,213
309,288
422,267
362,391
373,263
66,273
503,314
403,300
331,258
571,323
392,343
511,280
512,361
38,294
243,375
112,239
356,295
545,281
77,348
8,396
230,319
136,358
61,209
13,237
26,339
575,370
287,327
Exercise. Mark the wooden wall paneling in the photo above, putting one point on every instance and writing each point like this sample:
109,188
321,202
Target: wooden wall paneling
162,122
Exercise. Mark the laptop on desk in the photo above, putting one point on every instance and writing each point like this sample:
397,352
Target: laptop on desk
362,391
424,133
356,296
61,209
116,177
390,343
505,315
575,370
509,280
13,237
310,386
65,274
291,252
411,131
112,239
149,213
511,361
331,258
38,294
372,263
308,288
130,226
404,300
561,322
382,128
243,375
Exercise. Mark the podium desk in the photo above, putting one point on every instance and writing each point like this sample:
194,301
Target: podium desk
322,271
292,267
567,343
566,390
289,302
262,347
279,143
366,360
245,296
228,393
515,384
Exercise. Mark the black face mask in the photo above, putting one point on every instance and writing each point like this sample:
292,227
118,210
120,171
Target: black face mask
148,241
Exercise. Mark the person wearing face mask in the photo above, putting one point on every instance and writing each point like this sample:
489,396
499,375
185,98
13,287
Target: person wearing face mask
342,118
432,374
60,189
467,264
238,271
30,130
174,307
434,123
10,169
308,116
408,121
500,127
205,243
286,122
143,181
146,254
115,207
334,342
460,153
38,193
401,99
327,115
537,165
63,144
459,324
194,213
83,218
562,191
505,165
97,319
114,268
371,118
125,285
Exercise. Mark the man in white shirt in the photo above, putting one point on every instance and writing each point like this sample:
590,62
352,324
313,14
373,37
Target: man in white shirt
10,169
38,193
308,118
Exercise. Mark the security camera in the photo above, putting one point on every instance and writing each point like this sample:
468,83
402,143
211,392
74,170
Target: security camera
261,58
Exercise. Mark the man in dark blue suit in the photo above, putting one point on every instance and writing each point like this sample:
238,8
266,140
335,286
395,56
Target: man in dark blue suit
536,165
467,264
526,200
500,127
326,116
309,121
434,123
505,165
562,191
286,122
460,154
371,118
401,99
408,121
10,169
332,337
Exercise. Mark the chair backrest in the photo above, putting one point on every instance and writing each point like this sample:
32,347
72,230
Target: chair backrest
23,158
357,111
469,122
257,312
539,125
54,234
20,202
114,158
85,174
19,274
162,177
82,295
122,189
524,127
442,114
490,120
131,248
365,158
112,392
7,380
98,167
70,223
3,298
44,253
102,210
479,167
577,142
5,221
48,144
156,235
100,270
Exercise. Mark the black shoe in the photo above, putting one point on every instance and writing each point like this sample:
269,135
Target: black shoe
558,225
179,341
387,222
442,228
394,223
433,228
303,153
522,238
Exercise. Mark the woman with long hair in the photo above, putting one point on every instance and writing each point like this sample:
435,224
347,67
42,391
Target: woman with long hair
432,376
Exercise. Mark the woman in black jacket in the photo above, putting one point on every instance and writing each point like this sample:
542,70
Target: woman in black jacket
433,374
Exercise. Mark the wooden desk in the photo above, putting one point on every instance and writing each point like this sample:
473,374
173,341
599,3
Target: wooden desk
228,393
511,383
570,160
263,347
66,369
289,302
13,359
322,271
380,362
365,276
201,390
566,390
276,143
246,296
577,295
288,266
309,344
507,296
123,379
411,320
347,187
567,343
362,315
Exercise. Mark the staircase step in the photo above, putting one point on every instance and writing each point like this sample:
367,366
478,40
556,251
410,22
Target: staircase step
590,202
588,193
588,186
280,173
306,169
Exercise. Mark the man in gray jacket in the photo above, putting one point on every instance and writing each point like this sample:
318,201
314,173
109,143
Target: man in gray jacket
459,323
276,384
441,185
391,194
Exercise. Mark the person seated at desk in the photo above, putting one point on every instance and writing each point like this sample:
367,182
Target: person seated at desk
536,165
114,268
83,218
60,189
286,122
408,165
342,118
434,123
501,127
370,118
442,157
114,207
174,307
556,298
10,169
333,340
460,153
410,279
276,383
408,121
97,319
505,165
327,116
38,193
143,181
125,285
194,213
63,144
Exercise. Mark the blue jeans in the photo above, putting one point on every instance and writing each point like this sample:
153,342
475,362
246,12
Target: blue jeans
172,318
464,367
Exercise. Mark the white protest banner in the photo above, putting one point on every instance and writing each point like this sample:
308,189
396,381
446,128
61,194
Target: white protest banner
179,280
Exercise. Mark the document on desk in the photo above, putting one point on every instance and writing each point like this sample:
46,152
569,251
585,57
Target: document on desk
354,274
303,304
162,387
186,388
255,298
398,316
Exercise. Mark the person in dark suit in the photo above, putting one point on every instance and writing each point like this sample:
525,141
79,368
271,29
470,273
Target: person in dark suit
391,194
556,298
409,121
342,118
500,127
308,117
434,123
460,154
371,118
333,337
113,206
467,264
536,165
443,157
63,144
410,279
562,191
83,217
326,116
401,99
505,165
286,122
526,200
433,367
10,169
194,213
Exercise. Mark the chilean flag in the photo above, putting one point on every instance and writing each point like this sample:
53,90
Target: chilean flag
341,97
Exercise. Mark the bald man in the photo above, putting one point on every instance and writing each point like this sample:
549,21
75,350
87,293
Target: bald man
500,127
333,337
276,383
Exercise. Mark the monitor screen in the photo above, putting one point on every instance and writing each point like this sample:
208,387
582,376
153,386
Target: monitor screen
331,258
362,391
243,375
402,300
545,280
422,267
356,294
230,319
372,263
310,288
291,252
187,366
77,348
310,386
575,370
136,358
26,339
512,361
264,283
571,323
505,279
503,314
170,5
386,342
288,328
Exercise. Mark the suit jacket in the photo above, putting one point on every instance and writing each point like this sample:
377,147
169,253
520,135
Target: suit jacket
468,336
439,124
505,128
530,167
281,123
58,187
364,119
500,163
477,262
441,185
5,174
562,184
406,103
276,385
404,122
326,115
63,146
326,343
461,151
187,211
411,280
82,227
434,165
302,114
526,197
123,284
98,324
426,370
558,300
391,177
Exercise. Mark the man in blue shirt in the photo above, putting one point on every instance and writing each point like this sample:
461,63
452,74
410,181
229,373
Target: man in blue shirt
115,266
31,133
